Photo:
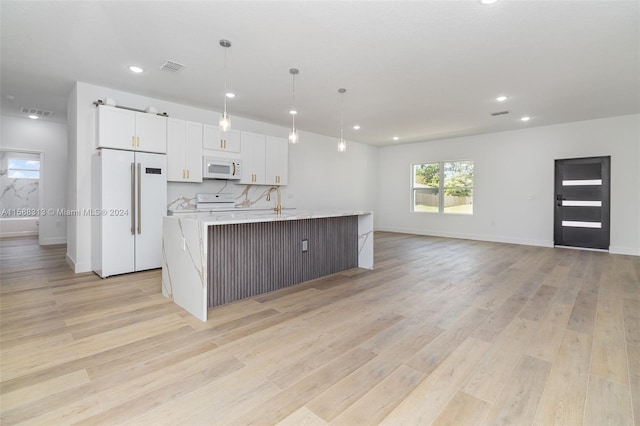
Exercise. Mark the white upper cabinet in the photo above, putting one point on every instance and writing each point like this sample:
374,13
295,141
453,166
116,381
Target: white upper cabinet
214,139
276,161
253,159
184,151
264,160
131,130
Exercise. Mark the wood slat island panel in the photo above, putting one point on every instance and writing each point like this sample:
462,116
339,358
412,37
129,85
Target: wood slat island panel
248,259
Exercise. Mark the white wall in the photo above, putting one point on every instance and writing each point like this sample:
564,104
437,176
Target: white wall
49,138
514,182
319,176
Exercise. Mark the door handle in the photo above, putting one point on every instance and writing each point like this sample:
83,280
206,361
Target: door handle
133,199
139,199
559,200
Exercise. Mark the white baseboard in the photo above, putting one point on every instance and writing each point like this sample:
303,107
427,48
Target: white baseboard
52,241
475,237
631,251
77,267
10,234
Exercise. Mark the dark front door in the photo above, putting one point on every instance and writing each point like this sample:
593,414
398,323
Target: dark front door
582,202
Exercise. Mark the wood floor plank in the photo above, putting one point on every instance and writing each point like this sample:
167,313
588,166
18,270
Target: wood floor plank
608,360
501,359
376,404
584,313
431,396
302,417
463,409
292,373
429,358
563,398
608,403
538,305
291,399
442,331
546,340
518,401
631,312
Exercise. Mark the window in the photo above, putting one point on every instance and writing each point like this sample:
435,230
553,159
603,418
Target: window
20,168
444,187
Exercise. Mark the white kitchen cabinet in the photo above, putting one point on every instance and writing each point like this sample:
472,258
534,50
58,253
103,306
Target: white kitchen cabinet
264,160
214,139
184,151
276,161
131,130
253,159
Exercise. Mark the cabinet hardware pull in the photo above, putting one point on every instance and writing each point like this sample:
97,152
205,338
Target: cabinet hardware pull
138,140
183,176
133,141
187,173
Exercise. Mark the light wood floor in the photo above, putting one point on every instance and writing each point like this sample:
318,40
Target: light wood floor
441,332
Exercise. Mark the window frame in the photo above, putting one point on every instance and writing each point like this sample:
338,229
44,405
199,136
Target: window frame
441,187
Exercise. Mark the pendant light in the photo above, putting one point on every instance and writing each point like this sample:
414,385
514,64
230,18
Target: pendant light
293,133
225,121
342,144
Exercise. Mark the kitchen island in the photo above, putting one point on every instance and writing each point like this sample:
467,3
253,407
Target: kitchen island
215,258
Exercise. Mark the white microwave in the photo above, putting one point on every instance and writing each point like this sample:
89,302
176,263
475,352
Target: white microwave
220,168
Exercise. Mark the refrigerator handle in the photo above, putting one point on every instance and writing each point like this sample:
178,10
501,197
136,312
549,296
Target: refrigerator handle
139,199
133,199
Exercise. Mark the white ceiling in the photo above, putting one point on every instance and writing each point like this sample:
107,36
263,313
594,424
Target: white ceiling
419,70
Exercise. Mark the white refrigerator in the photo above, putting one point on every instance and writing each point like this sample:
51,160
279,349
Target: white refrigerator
129,199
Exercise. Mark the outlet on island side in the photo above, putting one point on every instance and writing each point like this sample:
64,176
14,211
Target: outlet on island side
305,245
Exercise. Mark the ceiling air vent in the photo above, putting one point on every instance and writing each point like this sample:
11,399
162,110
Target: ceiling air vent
172,66
497,113
36,111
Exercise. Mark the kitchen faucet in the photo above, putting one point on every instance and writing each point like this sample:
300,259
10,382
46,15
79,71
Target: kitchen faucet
278,207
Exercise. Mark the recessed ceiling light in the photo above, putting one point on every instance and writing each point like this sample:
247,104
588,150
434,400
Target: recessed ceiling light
488,1
33,116
135,69
395,138
230,95
356,127
525,118
501,98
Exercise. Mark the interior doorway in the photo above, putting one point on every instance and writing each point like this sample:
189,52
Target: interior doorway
20,193
582,202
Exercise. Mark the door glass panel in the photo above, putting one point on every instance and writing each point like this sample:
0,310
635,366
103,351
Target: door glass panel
578,224
582,182
581,203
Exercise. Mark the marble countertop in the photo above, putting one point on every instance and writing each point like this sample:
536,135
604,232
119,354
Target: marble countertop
231,217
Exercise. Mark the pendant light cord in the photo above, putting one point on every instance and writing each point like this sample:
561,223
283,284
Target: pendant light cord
293,100
342,116
225,81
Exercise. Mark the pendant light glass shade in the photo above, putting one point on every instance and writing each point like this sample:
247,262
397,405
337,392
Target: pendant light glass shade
225,121
293,133
342,144
293,136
